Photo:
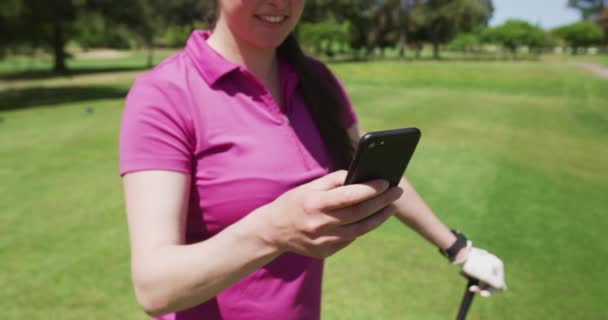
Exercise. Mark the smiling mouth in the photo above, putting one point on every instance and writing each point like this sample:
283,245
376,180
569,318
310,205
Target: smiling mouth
272,19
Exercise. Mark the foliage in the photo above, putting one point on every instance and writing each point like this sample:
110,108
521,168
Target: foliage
466,42
175,36
588,8
322,36
389,23
95,22
40,25
580,34
441,20
95,31
515,33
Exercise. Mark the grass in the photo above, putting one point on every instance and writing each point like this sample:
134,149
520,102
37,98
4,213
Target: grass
513,154
597,59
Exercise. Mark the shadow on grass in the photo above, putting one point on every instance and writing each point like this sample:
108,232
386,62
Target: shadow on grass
49,74
40,96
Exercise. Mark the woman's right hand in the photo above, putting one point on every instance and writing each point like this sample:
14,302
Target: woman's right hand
321,217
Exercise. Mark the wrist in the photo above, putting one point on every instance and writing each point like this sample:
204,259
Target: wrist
456,250
462,254
259,228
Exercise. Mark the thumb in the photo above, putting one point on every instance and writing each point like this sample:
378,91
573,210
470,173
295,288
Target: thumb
329,181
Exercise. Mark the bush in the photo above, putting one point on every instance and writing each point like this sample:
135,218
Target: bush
323,36
580,34
92,31
466,42
176,36
514,34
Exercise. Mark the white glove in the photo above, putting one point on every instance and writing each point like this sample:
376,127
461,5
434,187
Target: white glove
486,267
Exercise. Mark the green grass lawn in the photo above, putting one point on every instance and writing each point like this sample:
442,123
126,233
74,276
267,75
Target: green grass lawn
513,154
597,59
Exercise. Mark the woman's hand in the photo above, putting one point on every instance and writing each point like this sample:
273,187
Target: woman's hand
484,266
322,217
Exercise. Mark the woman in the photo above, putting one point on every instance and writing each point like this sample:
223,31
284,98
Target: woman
229,153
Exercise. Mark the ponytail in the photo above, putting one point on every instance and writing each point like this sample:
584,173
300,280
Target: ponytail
325,100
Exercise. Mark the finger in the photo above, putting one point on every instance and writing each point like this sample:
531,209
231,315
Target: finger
484,286
359,228
346,196
329,181
367,208
484,290
485,293
340,245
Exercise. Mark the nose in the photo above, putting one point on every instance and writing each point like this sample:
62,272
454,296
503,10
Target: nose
278,4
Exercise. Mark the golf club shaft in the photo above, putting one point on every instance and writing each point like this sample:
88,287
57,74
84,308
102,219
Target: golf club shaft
467,299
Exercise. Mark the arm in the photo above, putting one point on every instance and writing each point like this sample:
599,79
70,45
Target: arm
414,212
168,275
316,219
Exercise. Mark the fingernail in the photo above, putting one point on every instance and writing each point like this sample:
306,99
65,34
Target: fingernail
387,184
396,191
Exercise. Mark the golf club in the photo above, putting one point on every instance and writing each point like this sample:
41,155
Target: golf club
467,299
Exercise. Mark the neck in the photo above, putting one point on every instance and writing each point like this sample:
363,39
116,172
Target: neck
261,62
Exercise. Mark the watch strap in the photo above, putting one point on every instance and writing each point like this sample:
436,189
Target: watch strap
452,251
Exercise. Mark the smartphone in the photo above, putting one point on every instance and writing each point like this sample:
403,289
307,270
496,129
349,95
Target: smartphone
383,155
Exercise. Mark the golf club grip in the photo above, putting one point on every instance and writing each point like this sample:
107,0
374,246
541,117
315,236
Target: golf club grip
467,299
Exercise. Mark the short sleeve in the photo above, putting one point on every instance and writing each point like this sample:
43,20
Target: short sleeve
154,131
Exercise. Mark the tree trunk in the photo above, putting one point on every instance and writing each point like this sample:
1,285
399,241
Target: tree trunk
436,54
403,26
435,39
372,39
605,47
402,43
58,48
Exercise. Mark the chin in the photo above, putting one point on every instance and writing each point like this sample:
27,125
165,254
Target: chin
269,43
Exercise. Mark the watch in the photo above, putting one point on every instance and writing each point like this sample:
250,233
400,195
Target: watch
452,251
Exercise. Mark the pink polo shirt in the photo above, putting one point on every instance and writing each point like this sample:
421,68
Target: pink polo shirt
199,114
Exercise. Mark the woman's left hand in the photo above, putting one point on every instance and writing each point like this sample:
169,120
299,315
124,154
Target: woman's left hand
484,266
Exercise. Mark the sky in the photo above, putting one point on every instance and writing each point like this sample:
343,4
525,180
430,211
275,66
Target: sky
547,13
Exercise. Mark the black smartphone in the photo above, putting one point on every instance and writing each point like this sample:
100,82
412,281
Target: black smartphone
383,155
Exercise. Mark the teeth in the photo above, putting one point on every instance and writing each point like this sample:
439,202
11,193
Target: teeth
273,19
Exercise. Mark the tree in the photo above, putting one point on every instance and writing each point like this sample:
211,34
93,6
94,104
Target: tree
580,34
589,9
465,42
38,24
515,33
602,20
405,23
322,36
441,20
148,19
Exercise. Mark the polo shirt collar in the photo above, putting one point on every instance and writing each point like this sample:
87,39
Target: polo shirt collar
211,65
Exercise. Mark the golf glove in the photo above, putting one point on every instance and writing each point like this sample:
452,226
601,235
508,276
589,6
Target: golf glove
484,266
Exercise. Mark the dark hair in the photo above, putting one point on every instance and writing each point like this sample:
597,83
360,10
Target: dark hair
326,103
325,100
